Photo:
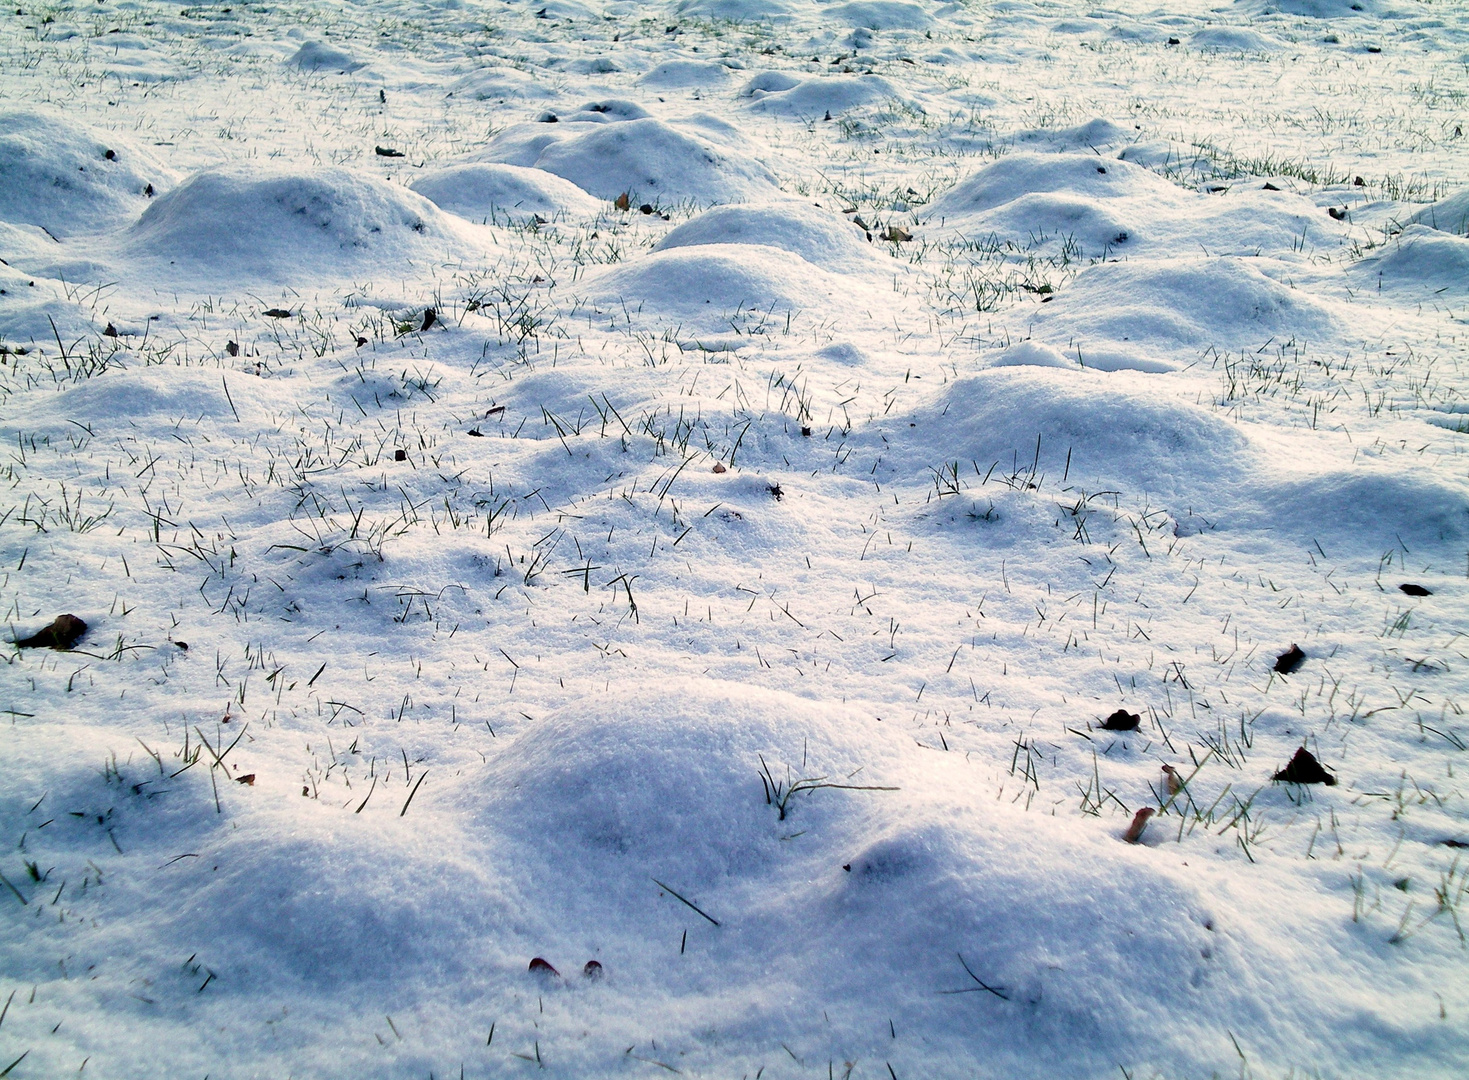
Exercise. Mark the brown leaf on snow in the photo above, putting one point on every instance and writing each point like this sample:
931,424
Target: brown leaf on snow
1122,720
1290,660
1134,831
63,632
544,967
1305,769
622,202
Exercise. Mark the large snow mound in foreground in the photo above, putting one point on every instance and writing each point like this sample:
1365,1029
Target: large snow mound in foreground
293,225
68,178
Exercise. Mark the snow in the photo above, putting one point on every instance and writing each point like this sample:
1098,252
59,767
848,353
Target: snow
681,485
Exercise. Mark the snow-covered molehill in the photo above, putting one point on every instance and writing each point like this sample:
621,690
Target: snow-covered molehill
480,191
69,178
821,521
822,238
619,149
294,225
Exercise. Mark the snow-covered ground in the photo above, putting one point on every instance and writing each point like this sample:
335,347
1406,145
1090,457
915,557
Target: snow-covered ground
683,486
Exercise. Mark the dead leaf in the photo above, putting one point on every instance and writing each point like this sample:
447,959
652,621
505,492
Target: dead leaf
1305,769
63,632
544,967
1134,831
1122,720
1290,660
622,202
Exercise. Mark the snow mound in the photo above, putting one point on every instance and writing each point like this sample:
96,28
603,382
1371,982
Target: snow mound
501,84
68,178
1031,354
1170,308
165,395
1362,510
479,190
816,97
685,74
1095,133
319,56
718,288
735,10
294,225
1077,176
1447,215
818,236
1233,39
645,158
650,783
879,15
1427,258
609,111
1122,434
1316,9
262,920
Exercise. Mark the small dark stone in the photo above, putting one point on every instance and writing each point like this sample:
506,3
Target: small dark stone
1122,720
1100,169
110,155
361,341
806,432
1305,769
1290,660
646,208
276,313
1270,187
1455,843
182,645
63,632
1335,214
476,432
232,347
386,151
430,316
593,970
1415,590
109,331
148,191
400,455
544,967
1173,41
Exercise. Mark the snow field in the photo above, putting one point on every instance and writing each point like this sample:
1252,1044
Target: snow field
539,488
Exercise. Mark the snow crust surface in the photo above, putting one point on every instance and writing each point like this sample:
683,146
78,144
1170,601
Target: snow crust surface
627,539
